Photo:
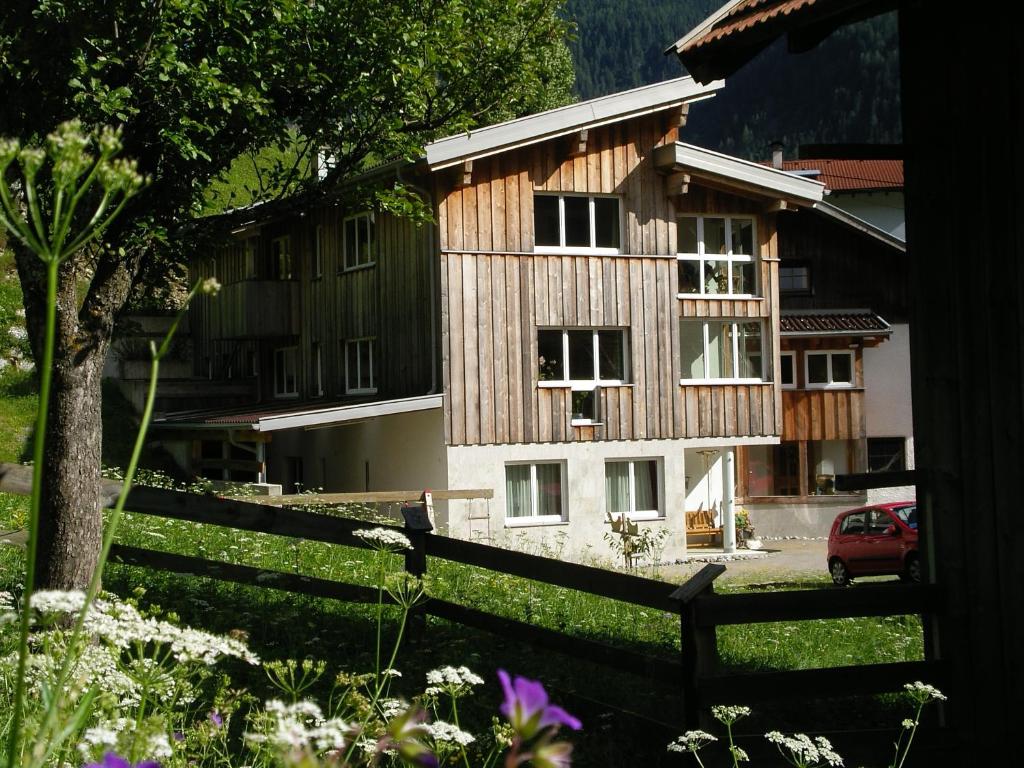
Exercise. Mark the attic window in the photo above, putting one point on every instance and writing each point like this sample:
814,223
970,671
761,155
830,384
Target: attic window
577,223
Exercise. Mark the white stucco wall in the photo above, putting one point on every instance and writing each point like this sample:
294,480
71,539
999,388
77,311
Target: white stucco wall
883,209
888,403
388,453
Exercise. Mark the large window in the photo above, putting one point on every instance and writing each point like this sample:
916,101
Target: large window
773,470
583,359
717,350
576,223
887,454
631,488
360,377
358,245
829,370
533,493
286,380
716,256
281,265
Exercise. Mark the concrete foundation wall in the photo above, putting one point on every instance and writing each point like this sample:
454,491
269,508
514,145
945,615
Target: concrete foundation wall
811,519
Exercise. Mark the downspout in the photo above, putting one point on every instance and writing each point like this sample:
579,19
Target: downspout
433,282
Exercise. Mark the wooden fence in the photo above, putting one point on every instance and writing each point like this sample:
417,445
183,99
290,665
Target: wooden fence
701,611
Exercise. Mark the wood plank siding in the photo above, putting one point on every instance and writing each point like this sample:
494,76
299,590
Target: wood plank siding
496,292
389,301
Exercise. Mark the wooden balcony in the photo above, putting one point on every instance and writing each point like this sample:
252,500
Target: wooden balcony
823,414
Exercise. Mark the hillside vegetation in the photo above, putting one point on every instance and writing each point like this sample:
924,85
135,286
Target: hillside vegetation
844,91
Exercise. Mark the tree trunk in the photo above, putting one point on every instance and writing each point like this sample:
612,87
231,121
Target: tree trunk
71,525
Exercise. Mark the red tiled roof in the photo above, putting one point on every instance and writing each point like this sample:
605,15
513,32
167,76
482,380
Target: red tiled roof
746,15
832,322
848,175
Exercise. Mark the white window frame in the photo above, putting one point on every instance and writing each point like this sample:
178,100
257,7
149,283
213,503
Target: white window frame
633,513
318,252
729,257
372,254
585,385
281,361
830,384
535,519
318,369
282,246
372,389
591,249
791,356
735,350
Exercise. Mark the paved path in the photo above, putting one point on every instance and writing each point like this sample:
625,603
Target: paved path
779,561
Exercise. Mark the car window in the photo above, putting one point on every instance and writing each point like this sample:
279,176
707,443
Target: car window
878,521
908,515
853,524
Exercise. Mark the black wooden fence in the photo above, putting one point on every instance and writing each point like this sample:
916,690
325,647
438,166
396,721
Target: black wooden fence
697,674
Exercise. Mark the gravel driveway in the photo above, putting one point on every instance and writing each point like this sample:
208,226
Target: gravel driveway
778,561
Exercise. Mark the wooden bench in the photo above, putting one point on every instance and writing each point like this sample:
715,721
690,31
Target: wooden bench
701,530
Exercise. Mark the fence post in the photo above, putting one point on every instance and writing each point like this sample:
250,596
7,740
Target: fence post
418,523
698,645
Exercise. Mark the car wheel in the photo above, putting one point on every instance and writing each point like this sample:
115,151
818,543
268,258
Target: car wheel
840,576
912,570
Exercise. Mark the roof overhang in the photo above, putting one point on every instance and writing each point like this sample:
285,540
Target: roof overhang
563,121
869,229
832,322
733,172
316,418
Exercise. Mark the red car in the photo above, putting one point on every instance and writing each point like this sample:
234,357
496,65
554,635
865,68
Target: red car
875,541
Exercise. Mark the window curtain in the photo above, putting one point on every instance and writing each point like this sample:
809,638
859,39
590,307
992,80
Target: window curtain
645,475
549,489
517,490
616,487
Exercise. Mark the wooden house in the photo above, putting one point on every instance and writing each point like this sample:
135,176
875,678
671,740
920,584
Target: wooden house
590,328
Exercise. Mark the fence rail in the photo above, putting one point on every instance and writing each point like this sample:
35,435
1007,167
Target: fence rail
699,608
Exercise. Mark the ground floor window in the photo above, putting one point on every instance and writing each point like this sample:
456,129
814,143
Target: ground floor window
360,367
631,488
799,467
534,493
887,454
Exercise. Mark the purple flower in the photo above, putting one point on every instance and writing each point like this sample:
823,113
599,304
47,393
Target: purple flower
527,709
113,760
216,719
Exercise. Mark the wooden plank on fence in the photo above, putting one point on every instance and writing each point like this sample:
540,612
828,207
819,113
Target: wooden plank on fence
808,604
666,671
392,497
818,683
597,581
246,516
865,480
243,574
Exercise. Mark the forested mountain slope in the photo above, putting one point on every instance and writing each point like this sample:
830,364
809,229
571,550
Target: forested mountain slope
844,91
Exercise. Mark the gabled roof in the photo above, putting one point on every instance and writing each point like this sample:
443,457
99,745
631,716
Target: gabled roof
740,29
714,166
832,322
843,175
565,120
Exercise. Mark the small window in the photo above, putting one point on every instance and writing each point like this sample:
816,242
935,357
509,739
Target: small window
787,370
281,266
533,493
360,377
318,252
794,279
829,369
576,223
716,256
631,488
359,242
286,380
721,350
887,454
582,357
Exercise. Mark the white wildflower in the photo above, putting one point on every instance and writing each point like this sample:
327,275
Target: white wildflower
908,724
390,708
158,748
453,680
17,333
388,539
390,672
739,755
442,731
210,286
102,736
691,741
300,726
803,750
922,693
57,601
729,714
